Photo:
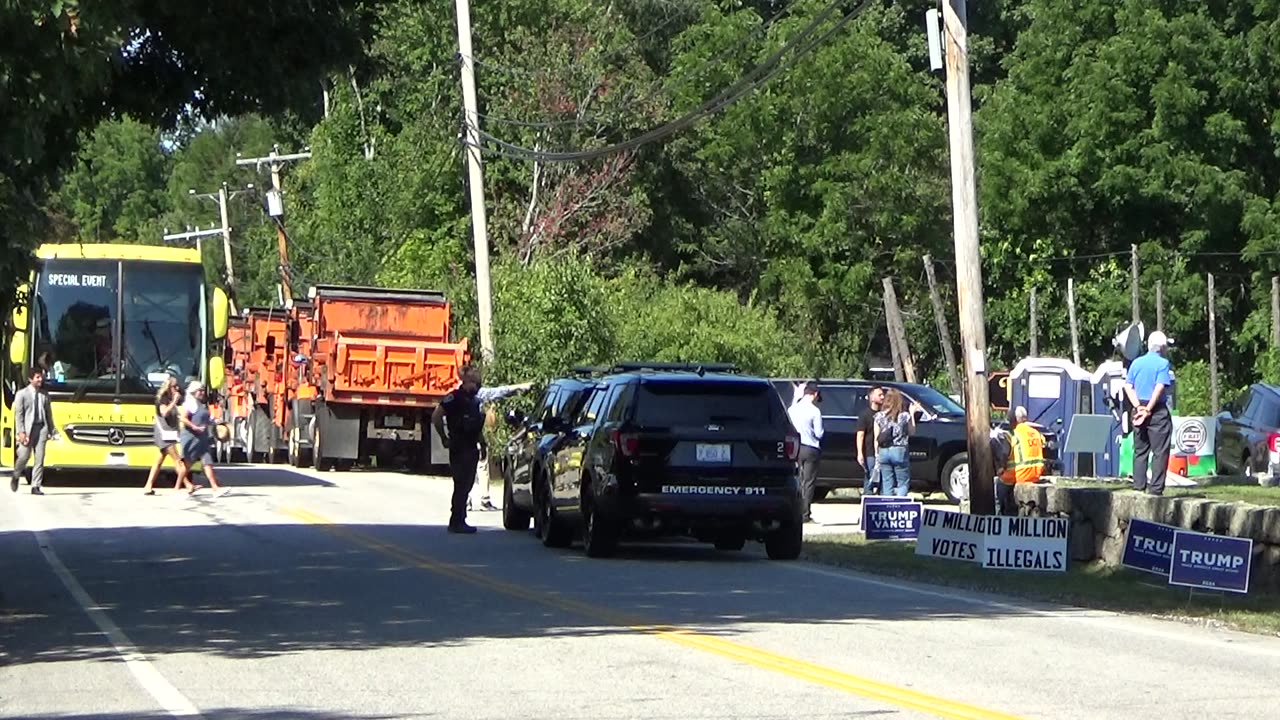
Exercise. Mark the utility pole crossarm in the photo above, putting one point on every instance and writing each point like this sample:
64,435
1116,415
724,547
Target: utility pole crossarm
275,162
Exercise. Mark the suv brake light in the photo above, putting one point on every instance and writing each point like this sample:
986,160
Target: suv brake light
627,443
793,447
1273,442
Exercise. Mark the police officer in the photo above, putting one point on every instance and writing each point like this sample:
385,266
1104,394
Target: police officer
459,422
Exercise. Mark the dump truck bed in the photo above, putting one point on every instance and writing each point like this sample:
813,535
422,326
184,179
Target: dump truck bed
385,346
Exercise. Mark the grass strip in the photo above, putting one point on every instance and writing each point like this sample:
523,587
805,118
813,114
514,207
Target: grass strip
1087,585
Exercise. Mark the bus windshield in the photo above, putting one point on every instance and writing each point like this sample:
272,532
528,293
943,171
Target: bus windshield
116,327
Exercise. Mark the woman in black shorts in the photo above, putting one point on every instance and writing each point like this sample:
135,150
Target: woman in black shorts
165,431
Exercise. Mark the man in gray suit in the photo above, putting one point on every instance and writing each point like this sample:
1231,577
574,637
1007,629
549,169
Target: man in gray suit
33,414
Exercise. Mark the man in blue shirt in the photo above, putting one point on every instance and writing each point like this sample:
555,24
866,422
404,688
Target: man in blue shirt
1146,386
807,419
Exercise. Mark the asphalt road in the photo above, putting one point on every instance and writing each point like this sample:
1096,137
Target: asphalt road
307,596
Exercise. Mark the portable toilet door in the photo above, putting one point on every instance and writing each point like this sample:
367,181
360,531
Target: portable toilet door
1053,391
1108,388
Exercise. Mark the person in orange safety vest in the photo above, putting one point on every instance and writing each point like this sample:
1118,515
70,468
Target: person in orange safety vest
1026,460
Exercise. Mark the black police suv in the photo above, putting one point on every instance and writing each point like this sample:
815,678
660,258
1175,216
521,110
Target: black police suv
534,440
665,449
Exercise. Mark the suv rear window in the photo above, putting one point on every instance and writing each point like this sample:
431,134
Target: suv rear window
670,403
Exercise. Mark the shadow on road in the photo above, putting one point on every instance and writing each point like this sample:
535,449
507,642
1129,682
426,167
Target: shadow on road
248,591
237,475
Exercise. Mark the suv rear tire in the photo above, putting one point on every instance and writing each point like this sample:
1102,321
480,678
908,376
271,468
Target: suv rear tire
599,534
513,518
786,542
955,477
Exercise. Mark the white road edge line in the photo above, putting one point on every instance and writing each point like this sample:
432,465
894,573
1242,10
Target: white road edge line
169,697
1256,644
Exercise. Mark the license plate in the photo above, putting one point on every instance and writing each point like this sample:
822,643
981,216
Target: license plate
117,460
393,421
713,453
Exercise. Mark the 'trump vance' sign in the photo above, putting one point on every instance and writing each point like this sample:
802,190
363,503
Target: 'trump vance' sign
890,518
1217,562
1007,543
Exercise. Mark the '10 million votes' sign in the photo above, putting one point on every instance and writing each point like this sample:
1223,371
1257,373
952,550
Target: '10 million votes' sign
1005,543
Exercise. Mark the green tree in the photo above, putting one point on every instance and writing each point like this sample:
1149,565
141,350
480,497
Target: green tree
116,190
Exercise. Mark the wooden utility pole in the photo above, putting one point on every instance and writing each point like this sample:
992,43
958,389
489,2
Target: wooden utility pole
1213,351
973,334
1071,317
898,330
1133,280
944,331
1275,311
275,208
1160,305
475,179
895,352
1034,330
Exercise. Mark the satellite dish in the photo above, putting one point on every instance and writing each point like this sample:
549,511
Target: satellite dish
1129,341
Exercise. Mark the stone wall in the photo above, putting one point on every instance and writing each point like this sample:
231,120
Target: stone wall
1100,518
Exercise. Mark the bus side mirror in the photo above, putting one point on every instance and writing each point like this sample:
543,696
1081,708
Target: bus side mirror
17,348
18,340
221,313
217,372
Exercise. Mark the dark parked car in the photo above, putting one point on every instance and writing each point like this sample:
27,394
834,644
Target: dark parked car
663,450
536,436
938,450
1245,431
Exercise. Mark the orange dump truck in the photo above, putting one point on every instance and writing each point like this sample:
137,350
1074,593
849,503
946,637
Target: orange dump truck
380,361
233,399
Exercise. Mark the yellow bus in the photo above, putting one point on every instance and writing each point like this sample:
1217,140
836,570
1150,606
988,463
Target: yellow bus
108,324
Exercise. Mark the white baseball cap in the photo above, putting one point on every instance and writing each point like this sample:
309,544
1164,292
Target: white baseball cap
1158,339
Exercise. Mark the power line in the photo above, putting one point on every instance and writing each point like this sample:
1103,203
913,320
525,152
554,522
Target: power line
752,80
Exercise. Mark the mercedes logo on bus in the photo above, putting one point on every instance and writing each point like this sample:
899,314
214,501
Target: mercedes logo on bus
115,436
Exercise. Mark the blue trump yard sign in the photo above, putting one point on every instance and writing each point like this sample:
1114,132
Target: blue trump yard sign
1216,562
891,518
1149,547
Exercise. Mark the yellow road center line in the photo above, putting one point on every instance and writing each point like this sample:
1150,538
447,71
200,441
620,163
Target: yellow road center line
791,667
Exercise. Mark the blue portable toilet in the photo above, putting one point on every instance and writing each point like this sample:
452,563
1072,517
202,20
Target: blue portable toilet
1108,397
1054,390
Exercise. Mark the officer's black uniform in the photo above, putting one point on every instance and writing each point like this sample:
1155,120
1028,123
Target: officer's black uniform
465,422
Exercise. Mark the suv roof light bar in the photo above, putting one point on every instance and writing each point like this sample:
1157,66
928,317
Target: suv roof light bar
699,368
587,370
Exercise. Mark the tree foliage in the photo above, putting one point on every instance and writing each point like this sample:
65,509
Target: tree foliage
760,234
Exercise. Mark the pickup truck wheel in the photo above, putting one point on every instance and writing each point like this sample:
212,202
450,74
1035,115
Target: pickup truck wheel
555,532
955,477
786,542
600,537
513,518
